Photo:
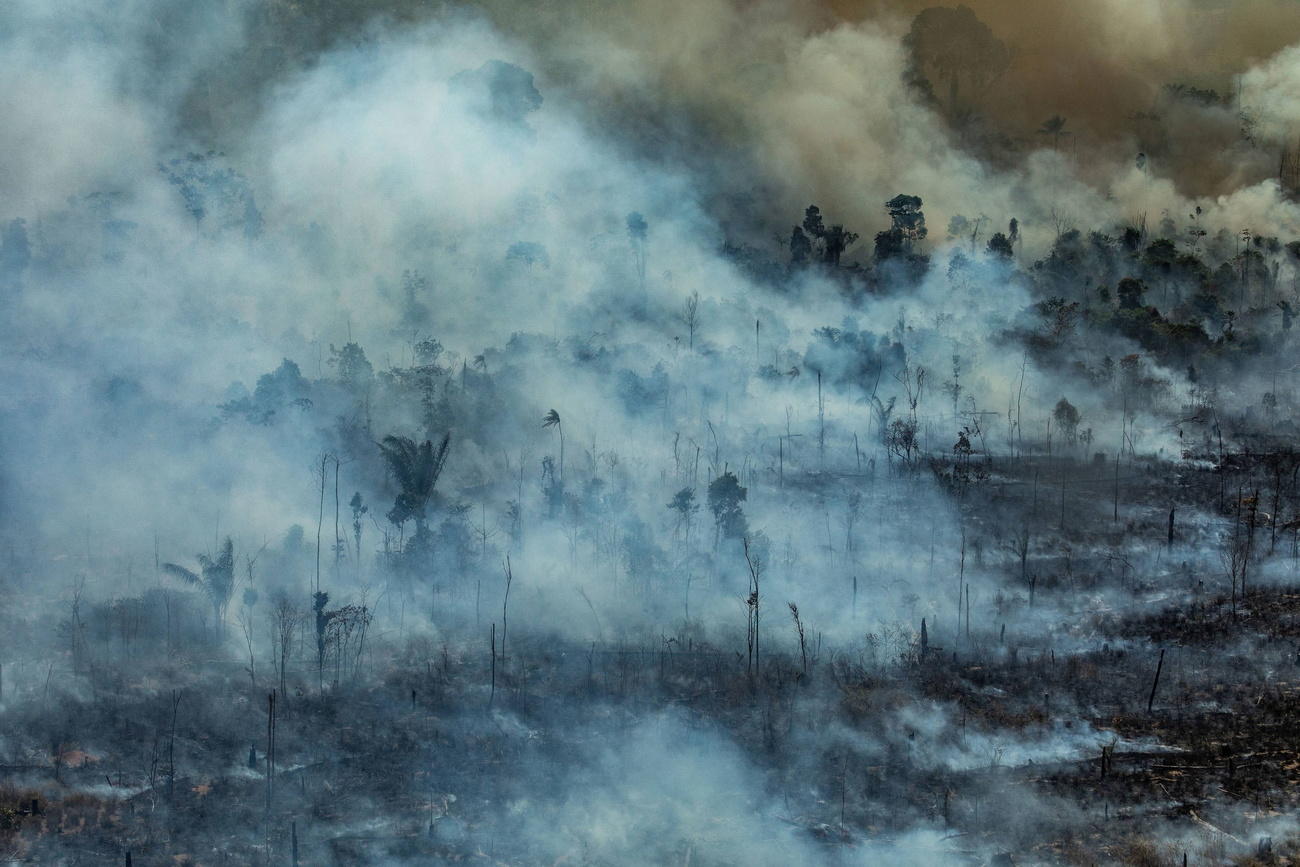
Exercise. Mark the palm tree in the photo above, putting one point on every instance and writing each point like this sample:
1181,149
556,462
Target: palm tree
416,468
216,577
1055,127
552,419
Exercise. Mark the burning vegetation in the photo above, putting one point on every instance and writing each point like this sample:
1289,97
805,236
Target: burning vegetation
452,436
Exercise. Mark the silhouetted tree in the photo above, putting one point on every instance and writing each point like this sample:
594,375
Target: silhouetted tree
955,47
800,246
684,504
503,91
353,368
1066,417
359,510
837,240
907,226
216,577
815,240
725,498
552,419
1000,246
416,469
690,316
1130,291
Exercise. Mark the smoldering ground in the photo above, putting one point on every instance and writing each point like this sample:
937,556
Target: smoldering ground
738,546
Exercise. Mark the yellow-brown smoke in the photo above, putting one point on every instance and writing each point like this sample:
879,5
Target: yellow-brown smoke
809,96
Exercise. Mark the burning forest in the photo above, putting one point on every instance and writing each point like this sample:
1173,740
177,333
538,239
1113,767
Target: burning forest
835,432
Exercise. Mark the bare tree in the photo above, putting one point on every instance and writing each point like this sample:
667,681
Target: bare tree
690,317
505,603
285,619
803,641
755,564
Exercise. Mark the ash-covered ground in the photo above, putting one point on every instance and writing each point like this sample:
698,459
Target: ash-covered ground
677,433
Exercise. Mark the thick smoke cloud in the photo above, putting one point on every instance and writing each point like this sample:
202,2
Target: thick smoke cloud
242,243
812,99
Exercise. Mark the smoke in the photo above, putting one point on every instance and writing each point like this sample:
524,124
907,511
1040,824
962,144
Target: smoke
380,194
807,102
238,250
371,197
1269,83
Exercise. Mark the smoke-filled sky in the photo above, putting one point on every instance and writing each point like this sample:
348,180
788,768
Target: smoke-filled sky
205,191
195,193
808,97
800,101
579,207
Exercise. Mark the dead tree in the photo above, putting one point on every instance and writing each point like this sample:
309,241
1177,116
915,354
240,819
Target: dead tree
803,642
505,604
1156,681
171,747
270,751
755,565
285,618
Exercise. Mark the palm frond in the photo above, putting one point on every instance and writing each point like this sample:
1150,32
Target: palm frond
402,455
226,560
551,419
440,459
219,574
182,573
416,468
